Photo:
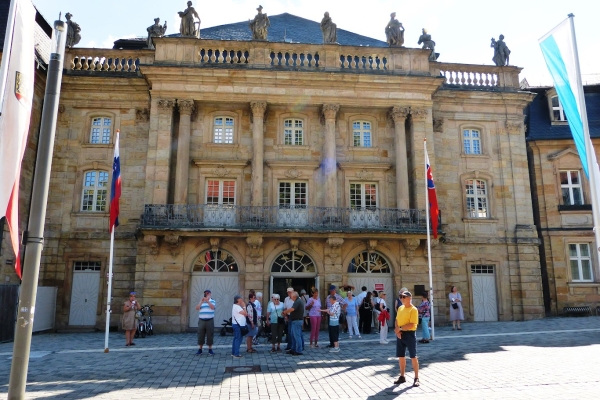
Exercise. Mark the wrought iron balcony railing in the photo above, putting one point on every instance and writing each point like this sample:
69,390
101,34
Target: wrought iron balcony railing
274,218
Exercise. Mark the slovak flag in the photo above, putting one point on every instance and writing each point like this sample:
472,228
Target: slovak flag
115,188
434,209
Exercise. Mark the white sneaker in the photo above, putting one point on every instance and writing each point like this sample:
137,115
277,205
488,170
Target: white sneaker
384,342
360,337
334,350
350,337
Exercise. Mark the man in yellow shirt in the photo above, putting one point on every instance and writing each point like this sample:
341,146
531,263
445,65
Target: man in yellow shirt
407,319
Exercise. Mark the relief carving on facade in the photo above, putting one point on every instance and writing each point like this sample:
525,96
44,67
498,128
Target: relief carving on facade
293,173
372,244
514,126
333,251
142,114
364,175
294,244
438,125
221,171
418,113
410,245
214,243
165,104
255,246
185,106
174,243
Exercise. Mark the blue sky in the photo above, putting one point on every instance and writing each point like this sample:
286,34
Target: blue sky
462,29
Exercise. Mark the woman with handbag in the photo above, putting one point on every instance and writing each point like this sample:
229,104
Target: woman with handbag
456,309
314,313
276,321
129,321
238,323
366,314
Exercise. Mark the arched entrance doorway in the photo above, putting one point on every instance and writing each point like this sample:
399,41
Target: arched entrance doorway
216,271
372,270
293,268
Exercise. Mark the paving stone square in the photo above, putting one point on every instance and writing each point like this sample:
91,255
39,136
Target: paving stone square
556,357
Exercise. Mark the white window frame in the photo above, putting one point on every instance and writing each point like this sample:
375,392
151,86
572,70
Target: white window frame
293,132
363,196
102,132
472,141
221,183
561,112
570,186
295,189
580,259
474,198
222,132
363,140
98,191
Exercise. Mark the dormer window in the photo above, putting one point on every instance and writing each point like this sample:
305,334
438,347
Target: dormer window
558,114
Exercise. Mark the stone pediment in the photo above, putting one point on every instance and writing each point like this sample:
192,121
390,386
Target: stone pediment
562,153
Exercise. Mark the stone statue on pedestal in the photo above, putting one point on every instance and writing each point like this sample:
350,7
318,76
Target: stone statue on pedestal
188,24
73,29
425,38
155,31
394,31
329,29
501,52
260,25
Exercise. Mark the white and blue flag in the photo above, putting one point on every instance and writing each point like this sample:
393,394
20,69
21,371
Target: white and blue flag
560,51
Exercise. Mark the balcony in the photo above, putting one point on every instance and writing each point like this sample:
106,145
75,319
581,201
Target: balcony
201,217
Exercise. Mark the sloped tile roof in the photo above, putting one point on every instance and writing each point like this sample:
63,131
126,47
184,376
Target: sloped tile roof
539,125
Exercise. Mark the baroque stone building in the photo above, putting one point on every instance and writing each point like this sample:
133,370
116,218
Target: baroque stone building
267,164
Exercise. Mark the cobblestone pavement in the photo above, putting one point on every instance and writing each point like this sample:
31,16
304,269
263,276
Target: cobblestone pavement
557,357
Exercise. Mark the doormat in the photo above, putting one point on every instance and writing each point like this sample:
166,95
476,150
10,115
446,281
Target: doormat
243,369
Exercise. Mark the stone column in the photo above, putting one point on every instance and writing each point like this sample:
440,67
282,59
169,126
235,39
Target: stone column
258,115
417,173
186,108
160,150
329,164
398,115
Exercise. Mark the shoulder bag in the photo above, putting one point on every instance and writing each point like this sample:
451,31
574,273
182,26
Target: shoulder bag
244,329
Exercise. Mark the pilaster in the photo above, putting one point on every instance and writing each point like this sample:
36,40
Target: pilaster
329,163
258,114
161,130
186,108
419,132
398,115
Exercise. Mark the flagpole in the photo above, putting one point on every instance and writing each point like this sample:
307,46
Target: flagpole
589,148
109,293
429,247
39,200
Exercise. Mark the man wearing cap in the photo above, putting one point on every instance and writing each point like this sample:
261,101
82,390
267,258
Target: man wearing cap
296,314
407,319
287,303
340,300
206,322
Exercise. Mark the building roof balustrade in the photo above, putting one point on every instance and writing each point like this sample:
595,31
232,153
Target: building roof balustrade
202,217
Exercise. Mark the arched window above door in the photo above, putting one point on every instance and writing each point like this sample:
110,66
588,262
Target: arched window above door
293,261
215,261
369,262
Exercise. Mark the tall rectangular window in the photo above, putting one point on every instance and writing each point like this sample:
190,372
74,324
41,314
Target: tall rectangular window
361,134
581,262
472,141
292,195
477,200
363,195
570,186
220,192
223,130
101,128
293,132
95,189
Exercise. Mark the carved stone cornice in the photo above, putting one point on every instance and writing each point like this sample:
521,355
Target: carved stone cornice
165,105
419,114
258,108
398,114
438,125
330,110
185,107
514,126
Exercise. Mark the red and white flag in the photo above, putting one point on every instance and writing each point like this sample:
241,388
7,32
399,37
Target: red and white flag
16,92
434,209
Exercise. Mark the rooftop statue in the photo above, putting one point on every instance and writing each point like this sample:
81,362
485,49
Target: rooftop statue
73,29
501,52
260,25
188,24
329,29
155,31
425,38
394,31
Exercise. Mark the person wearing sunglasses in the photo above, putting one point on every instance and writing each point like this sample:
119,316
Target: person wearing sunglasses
276,321
407,320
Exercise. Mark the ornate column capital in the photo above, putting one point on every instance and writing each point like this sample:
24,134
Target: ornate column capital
165,104
398,114
513,126
185,106
418,113
258,108
330,110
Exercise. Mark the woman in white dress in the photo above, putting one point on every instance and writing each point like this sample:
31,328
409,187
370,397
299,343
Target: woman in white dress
456,308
